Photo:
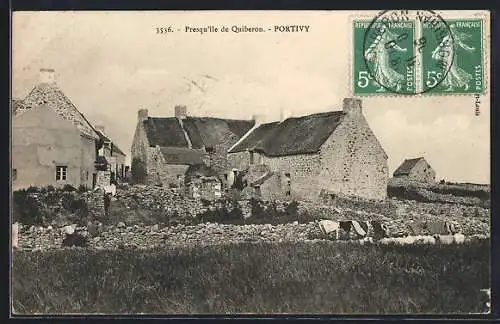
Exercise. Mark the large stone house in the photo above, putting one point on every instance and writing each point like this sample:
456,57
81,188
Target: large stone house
415,170
299,158
52,142
164,148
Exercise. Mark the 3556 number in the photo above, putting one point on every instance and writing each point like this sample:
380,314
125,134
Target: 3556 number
164,30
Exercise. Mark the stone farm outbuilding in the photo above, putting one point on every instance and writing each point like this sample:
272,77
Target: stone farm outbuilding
415,170
299,157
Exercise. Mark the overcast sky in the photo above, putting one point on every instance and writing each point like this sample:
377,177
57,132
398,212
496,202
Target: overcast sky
110,64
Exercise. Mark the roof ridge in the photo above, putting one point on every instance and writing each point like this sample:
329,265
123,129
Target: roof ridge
244,136
58,92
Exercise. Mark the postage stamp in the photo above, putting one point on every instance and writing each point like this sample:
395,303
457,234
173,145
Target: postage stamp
378,68
417,52
466,70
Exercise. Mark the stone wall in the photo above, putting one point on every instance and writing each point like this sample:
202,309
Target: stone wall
144,237
139,153
187,214
303,169
353,162
95,204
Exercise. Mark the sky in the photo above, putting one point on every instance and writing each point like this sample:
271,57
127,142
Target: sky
111,64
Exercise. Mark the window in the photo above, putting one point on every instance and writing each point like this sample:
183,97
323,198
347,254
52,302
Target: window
14,174
251,157
61,172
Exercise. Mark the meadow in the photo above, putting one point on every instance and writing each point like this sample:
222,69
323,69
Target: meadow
294,278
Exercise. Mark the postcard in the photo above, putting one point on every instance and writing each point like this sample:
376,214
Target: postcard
250,162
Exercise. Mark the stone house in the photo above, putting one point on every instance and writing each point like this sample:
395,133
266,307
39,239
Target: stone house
202,182
113,159
164,148
300,157
416,169
52,142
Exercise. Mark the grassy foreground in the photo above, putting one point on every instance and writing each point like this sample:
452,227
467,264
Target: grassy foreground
302,278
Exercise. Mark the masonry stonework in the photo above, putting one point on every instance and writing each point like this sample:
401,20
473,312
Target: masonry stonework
353,162
422,172
350,161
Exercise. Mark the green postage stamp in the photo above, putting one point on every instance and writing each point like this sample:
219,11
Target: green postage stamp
419,52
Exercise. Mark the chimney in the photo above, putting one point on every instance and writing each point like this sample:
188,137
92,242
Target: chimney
352,106
100,128
47,76
180,111
258,119
284,114
142,115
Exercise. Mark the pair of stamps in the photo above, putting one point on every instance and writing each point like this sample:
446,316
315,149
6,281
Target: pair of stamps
418,52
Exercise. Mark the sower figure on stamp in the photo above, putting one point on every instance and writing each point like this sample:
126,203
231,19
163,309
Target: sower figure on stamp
456,76
379,53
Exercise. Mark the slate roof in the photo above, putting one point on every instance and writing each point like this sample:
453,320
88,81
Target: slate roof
201,131
104,137
298,135
51,95
182,155
406,166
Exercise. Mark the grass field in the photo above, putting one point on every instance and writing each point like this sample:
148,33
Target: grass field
320,277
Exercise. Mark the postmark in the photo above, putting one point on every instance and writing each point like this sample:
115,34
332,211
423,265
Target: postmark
466,71
388,52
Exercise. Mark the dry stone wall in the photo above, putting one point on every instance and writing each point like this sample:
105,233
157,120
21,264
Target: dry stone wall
246,216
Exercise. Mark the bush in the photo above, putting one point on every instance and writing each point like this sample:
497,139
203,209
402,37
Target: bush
75,239
41,206
225,212
292,209
68,188
82,189
27,208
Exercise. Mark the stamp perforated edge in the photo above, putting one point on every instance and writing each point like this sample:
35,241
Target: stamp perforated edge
486,53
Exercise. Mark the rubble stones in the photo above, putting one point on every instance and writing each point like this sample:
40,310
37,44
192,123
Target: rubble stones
112,237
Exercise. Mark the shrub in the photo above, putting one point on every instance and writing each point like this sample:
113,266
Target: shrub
256,208
75,239
27,207
205,202
226,212
292,209
68,188
82,189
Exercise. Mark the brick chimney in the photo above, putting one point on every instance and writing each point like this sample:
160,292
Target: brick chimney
47,76
352,106
142,115
100,128
180,111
